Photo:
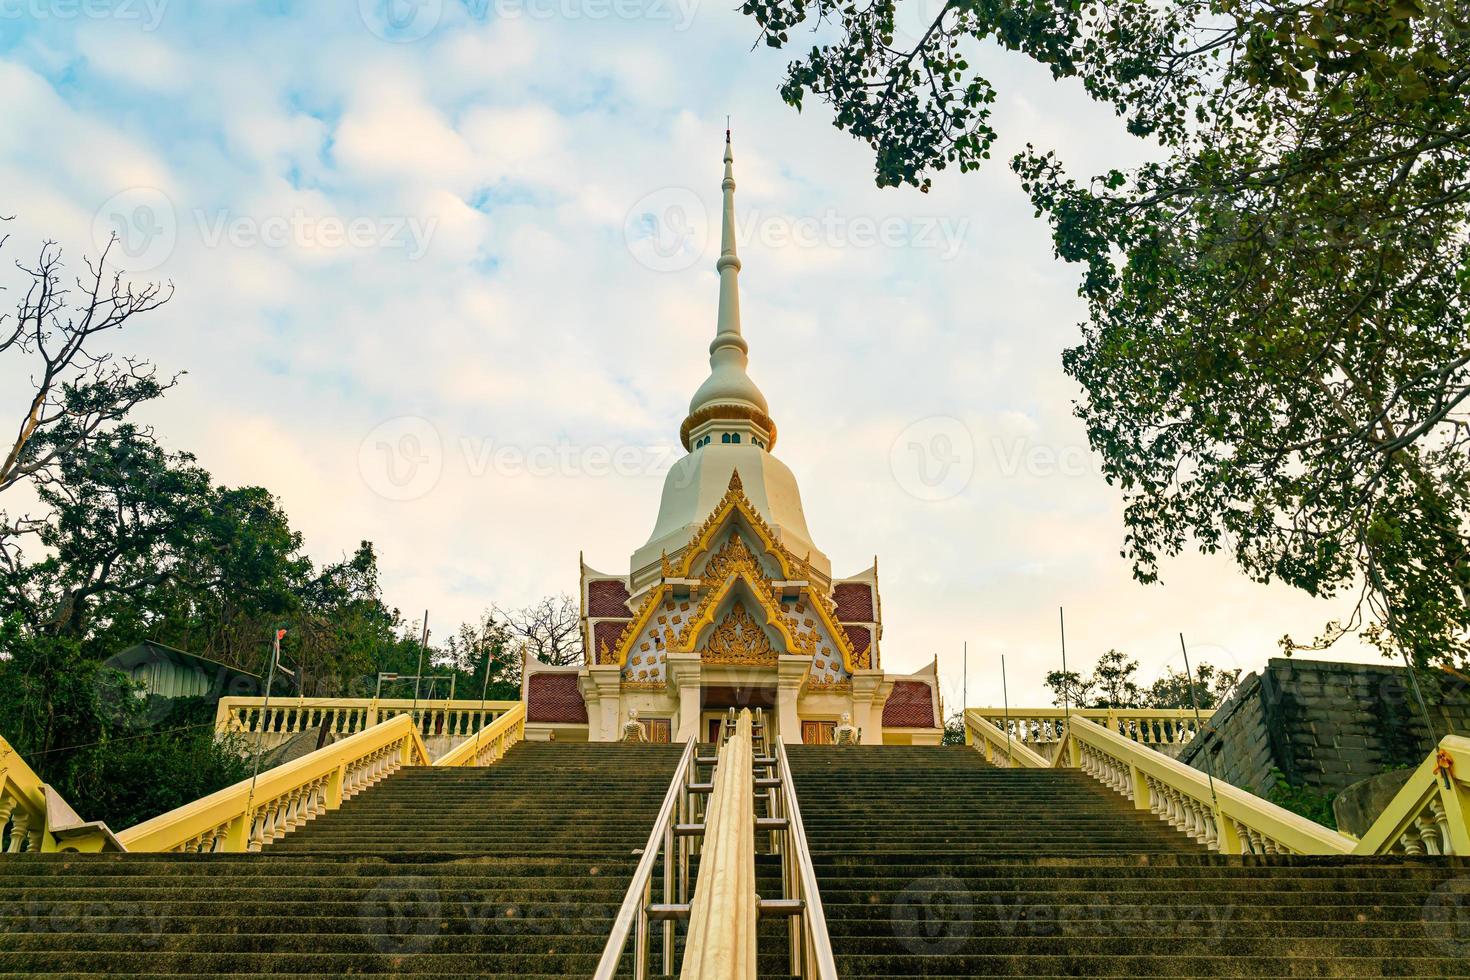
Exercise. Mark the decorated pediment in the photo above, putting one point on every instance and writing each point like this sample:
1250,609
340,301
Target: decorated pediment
729,607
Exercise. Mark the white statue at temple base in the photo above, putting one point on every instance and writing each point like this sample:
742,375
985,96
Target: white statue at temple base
633,731
846,733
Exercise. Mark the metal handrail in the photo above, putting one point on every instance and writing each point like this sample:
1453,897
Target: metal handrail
816,946
634,910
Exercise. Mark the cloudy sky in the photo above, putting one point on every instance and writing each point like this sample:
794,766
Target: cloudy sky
445,281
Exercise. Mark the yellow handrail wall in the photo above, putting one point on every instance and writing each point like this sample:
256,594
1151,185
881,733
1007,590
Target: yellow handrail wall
239,818
991,742
489,744
1431,813
346,716
23,800
1228,819
1152,726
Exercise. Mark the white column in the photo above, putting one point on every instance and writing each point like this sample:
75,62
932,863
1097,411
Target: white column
868,694
789,672
684,675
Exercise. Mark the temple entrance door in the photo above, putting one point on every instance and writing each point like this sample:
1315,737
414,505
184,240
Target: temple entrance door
818,732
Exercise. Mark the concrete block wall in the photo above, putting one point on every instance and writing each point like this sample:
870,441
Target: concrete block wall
1326,725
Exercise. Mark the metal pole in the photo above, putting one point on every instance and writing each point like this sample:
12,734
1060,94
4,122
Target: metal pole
1199,725
484,687
265,704
965,687
423,645
1423,707
1006,697
1066,679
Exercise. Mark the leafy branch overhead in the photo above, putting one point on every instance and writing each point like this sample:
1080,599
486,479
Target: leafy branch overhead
1276,360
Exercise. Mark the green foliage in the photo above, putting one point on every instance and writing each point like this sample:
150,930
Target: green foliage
954,729
1113,685
1276,359
1302,800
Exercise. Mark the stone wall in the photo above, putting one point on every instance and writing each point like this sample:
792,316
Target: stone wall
1325,725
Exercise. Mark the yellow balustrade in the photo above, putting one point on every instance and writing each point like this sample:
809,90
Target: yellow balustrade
1431,813
34,817
348,716
22,805
1043,728
999,748
246,817
487,746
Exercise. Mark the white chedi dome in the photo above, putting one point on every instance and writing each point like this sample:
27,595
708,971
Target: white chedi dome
698,482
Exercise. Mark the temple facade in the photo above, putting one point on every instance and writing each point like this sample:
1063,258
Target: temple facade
730,603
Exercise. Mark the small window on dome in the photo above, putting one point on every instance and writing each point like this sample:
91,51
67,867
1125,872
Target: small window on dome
735,438
725,437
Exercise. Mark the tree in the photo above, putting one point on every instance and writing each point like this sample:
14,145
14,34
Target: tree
1277,358
1211,687
79,390
483,651
1112,678
1070,688
550,629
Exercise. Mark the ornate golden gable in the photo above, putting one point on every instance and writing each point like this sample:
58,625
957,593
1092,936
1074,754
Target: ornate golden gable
736,561
739,639
735,500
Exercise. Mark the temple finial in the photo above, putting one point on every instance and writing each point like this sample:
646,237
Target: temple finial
728,394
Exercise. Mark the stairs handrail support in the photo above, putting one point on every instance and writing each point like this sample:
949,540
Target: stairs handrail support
1430,814
489,745
811,945
632,917
285,797
721,942
990,740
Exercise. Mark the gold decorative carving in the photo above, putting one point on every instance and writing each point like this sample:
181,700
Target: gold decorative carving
739,639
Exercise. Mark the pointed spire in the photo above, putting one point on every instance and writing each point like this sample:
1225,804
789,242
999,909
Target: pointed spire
728,394
727,331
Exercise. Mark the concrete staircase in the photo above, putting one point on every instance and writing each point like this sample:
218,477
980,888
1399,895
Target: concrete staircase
932,863
512,870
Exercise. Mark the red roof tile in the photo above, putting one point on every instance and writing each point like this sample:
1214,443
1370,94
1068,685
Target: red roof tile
911,705
555,698
607,631
854,601
607,597
859,636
